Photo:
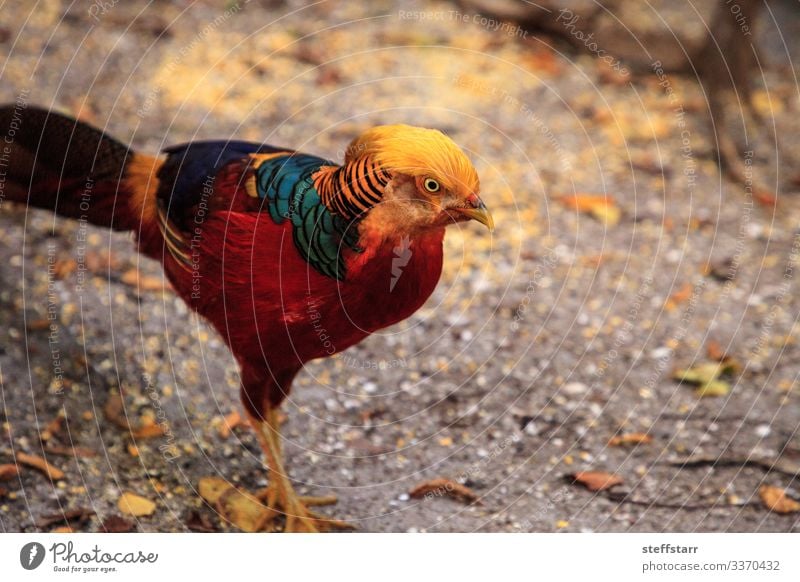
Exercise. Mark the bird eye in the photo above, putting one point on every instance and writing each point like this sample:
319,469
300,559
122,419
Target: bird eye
431,185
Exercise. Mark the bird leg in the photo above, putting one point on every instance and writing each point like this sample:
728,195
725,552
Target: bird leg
279,494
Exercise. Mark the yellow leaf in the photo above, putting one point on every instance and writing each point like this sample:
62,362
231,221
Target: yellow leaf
706,377
135,505
212,488
244,511
715,388
775,499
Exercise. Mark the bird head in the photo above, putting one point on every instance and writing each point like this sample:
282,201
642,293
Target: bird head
432,182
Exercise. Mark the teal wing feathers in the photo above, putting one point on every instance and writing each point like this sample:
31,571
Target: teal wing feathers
286,185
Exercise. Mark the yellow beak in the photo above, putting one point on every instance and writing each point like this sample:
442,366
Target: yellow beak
479,213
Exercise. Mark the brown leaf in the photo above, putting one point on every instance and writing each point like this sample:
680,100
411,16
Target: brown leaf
444,488
53,427
53,473
8,472
597,480
715,351
142,282
765,198
244,511
148,431
775,499
135,505
114,410
200,522
79,514
38,324
632,438
117,524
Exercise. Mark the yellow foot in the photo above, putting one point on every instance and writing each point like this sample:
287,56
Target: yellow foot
299,518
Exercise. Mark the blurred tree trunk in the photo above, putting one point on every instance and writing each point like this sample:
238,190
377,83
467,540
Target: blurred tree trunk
727,66
713,40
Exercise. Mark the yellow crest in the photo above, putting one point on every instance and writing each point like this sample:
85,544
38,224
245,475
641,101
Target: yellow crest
417,151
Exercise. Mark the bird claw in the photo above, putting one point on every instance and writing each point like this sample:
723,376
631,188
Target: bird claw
299,518
305,520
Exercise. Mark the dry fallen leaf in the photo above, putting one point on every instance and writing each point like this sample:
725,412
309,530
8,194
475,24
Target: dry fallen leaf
147,431
715,352
135,505
244,511
53,428
228,423
117,524
597,480
680,296
115,412
600,206
38,324
143,282
633,438
78,514
775,499
444,488
212,488
53,473
765,198
8,472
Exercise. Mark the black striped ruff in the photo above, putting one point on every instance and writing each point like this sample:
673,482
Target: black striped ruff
353,189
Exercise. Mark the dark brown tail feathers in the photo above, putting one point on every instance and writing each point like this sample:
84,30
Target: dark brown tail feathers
68,167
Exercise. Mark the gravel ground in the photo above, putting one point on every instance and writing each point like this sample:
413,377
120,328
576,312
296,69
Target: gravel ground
540,344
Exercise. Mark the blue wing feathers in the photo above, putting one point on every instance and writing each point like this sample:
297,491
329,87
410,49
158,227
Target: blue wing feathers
188,166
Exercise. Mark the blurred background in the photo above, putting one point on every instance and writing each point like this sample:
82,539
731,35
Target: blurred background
635,312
